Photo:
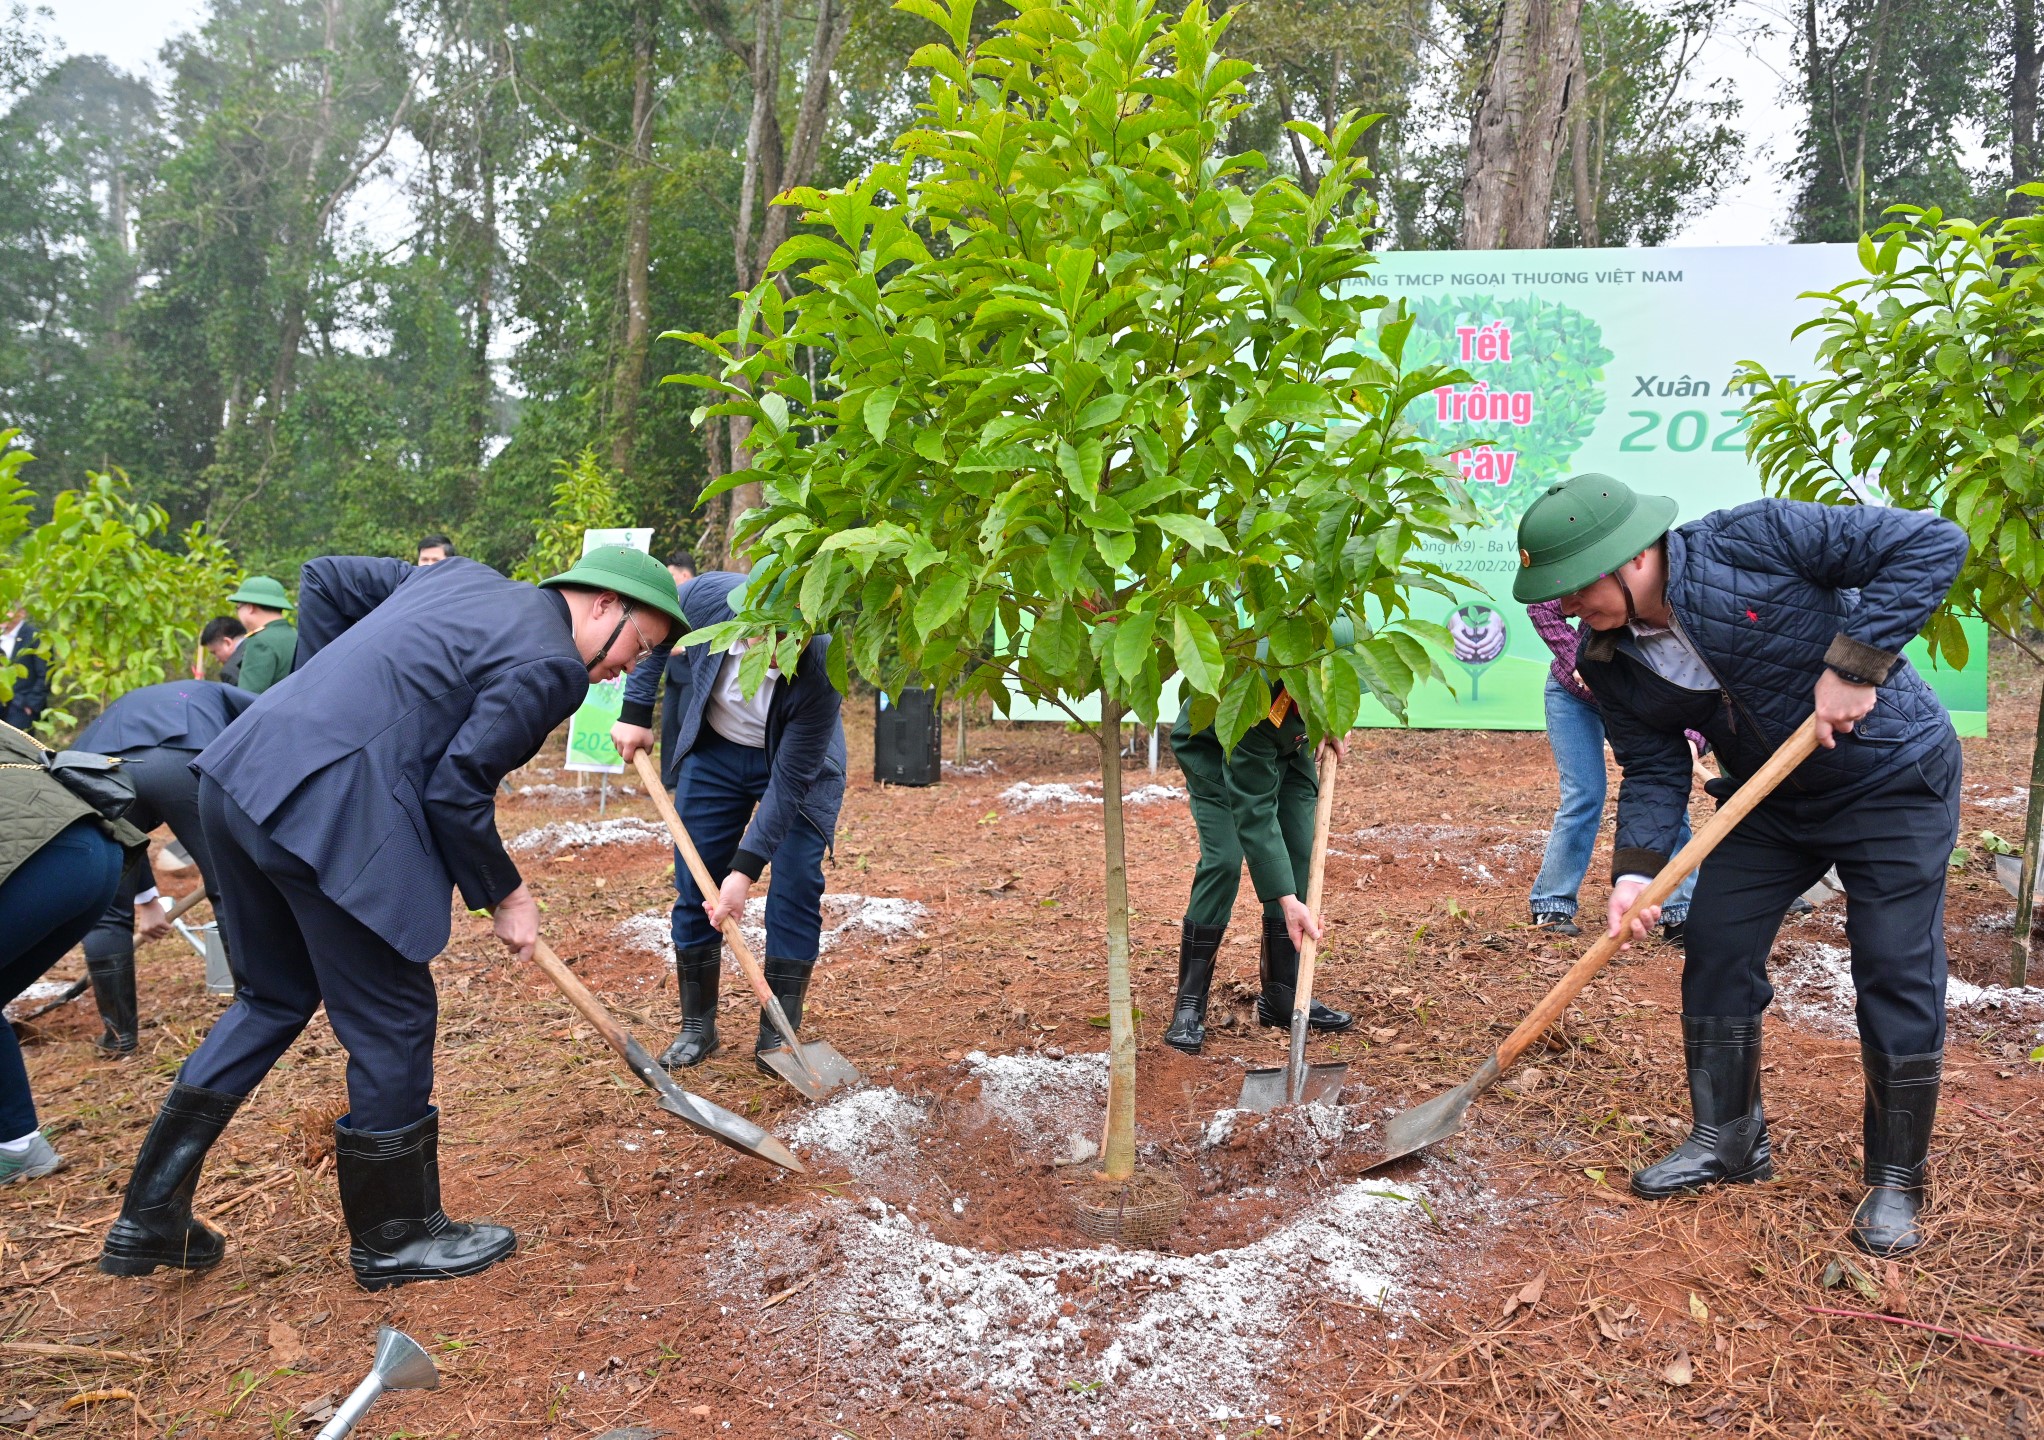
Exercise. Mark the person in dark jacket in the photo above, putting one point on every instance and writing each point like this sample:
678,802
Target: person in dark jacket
682,566
155,731
59,866
19,640
1255,805
222,639
340,810
1739,625
761,778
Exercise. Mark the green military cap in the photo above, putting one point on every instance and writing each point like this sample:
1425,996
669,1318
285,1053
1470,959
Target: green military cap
261,590
1584,527
631,573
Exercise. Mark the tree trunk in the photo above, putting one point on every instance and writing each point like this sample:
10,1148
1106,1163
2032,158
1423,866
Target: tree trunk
2026,889
1579,169
2023,103
628,378
486,294
1118,1144
1515,134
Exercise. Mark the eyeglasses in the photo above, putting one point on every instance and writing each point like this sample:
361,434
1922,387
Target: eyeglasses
645,645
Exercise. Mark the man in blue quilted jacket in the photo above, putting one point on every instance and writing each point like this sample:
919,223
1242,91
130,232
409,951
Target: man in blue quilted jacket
1739,625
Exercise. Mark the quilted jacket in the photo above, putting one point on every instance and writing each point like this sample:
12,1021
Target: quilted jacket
1769,593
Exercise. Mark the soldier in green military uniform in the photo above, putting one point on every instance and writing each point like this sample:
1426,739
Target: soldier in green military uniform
1255,805
267,653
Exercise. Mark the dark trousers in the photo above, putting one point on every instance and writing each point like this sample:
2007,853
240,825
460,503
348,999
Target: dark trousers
297,949
716,792
1892,843
1218,877
46,906
166,793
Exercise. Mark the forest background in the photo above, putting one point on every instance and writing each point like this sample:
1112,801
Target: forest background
350,271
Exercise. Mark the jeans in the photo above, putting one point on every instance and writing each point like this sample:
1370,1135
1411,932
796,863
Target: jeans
46,906
716,790
1575,732
298,950
1892,845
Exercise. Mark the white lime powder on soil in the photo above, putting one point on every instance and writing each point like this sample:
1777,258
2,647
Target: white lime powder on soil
1024,795
845,917
1191,1337
626,830
1813,991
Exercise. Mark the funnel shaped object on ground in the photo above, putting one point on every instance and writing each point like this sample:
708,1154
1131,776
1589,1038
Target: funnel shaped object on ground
400,1365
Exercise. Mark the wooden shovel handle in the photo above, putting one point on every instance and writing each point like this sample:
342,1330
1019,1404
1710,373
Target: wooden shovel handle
1316,878
1793,752
184,903
650,778
570,985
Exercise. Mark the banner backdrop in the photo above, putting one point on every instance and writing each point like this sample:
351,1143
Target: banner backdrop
1616,361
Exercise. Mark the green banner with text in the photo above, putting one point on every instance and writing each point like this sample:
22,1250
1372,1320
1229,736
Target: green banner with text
1617,361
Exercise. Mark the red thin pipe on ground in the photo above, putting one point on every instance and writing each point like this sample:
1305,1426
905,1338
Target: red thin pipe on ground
1934,1329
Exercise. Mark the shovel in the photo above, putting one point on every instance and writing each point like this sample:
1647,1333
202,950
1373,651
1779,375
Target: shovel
1298,1082
400,1364
1441,1117
814,1069
694,1111
84,982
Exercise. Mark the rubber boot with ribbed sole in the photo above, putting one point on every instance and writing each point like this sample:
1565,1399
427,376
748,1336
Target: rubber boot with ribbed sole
789,980
696,971
1279,971
1902,1101
113,990
156,1225
1197,946
390,1194
1727,1142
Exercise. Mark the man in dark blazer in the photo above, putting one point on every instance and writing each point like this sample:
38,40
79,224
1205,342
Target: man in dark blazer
18,639
682,566
156,731
760,779
340,809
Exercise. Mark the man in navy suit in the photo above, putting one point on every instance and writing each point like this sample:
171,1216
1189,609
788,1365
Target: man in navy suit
341,808
761,778
156,731
18,641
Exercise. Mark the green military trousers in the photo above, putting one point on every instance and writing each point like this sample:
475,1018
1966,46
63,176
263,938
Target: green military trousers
1256,805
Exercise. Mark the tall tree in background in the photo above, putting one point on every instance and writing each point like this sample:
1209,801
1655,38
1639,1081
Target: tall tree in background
1516,134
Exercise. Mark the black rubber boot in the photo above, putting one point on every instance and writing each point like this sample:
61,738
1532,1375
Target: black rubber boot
156,1225
390,1194
696,971
1902,1100
1727,1142
1279,970
789,980
1197,946
113,990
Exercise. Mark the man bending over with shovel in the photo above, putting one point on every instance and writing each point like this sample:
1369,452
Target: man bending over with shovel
340,809
758,778
1737,625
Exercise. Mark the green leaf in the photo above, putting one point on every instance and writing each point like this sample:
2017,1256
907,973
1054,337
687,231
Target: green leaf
1115,548
1197,651
1133,638
1104,411
1298,403
1067,560
941,599
879,408
1194,530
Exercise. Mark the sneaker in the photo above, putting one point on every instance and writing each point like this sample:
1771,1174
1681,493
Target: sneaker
1557,924
38,1159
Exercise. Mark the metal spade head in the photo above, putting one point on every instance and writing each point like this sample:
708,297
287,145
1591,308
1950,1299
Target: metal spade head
1265,1089
1430,1123
401,1364
712,1120
816,1072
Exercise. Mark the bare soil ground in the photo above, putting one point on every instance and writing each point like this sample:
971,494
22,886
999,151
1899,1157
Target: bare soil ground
926,1279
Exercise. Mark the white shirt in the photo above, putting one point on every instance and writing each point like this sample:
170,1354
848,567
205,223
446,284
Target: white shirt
11,637
737,719
1669,655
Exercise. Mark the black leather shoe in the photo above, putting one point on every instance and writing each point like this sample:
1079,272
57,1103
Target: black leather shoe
696,971
390,1194
1279,972
1727,1144
1197,946
156,1225
113,990
1557,924
1675,932
789,980
1902,1101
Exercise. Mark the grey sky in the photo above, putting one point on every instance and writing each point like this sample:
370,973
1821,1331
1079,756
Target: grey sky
1753,55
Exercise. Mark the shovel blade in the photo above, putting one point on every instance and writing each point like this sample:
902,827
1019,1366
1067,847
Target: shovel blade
816,1070
726,1128
1268,1089
1427,1124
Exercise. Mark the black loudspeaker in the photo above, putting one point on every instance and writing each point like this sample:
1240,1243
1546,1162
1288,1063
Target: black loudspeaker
908,739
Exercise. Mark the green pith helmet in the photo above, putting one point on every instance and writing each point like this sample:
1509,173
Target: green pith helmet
261,590
631,573
1586,526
